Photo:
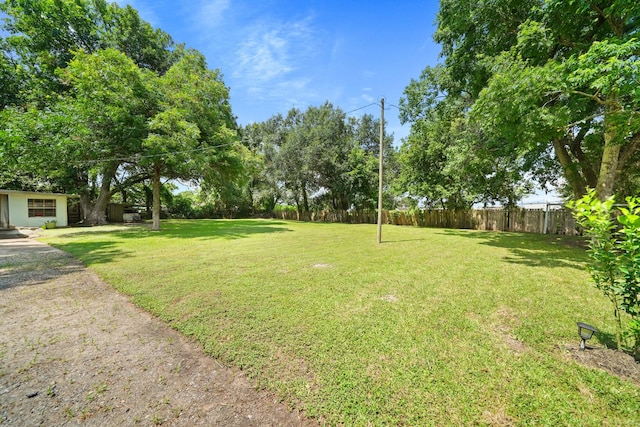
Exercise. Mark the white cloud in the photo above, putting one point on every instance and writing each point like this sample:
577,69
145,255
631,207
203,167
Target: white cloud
367,98
211,13
268,59
368,74
263,57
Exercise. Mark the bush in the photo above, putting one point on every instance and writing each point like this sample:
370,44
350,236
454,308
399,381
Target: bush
284,208
614,250
183,205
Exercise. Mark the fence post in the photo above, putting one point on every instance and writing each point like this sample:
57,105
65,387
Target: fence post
546,220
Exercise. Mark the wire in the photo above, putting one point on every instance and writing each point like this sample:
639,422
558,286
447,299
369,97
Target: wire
150,156
373,103
361,108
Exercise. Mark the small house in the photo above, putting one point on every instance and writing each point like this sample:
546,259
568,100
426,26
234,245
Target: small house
31,209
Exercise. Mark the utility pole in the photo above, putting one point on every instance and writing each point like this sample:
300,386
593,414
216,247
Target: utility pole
380,171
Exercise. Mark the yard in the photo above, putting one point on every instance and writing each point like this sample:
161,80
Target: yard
432,327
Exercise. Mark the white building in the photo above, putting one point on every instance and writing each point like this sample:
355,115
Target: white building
32,209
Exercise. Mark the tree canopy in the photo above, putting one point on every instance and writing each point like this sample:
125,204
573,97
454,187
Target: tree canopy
318,158
98,100
548,87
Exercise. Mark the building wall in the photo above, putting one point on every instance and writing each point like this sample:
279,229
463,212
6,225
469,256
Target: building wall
4,211
19,211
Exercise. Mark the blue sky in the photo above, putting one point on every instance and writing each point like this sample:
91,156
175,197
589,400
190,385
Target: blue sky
278,54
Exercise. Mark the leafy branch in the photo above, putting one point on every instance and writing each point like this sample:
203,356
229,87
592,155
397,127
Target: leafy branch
614,250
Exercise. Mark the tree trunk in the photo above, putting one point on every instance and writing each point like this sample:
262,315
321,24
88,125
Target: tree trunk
148,198
98,214
253,211
590,177
156,197
575,180
610,157
95,212
86,205
305,198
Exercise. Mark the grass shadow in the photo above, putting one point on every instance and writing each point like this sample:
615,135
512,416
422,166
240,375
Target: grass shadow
532,250
25,275
219,229
607,339
107,247
403,240
95,252
188,229
35,266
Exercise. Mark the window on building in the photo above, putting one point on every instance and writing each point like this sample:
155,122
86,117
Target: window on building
41,207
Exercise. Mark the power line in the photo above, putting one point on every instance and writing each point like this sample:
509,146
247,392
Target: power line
150,156
136,157
369,105
361,108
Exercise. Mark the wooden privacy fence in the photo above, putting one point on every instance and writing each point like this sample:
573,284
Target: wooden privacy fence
542,221
114,212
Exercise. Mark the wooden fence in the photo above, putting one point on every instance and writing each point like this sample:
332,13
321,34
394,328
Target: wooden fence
542,221
114,212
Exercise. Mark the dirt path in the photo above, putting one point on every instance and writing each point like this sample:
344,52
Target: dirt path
73,351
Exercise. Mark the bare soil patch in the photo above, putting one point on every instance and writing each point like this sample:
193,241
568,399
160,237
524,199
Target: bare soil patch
615,362
74,351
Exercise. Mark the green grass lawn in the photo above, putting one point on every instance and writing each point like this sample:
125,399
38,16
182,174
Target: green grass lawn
431,327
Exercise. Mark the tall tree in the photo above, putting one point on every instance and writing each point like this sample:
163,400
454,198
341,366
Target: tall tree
103,92
193,135
104,121
319,159
325,132
50,87
293,161
446,161
264,187
79,142
547,81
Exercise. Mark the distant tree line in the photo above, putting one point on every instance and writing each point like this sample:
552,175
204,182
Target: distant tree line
317,159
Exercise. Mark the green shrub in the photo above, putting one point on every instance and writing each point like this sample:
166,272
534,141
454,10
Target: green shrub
284,208
614,250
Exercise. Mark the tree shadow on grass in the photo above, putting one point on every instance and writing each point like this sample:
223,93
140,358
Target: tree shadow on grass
189,229
90,253
533,250
220,229
107,246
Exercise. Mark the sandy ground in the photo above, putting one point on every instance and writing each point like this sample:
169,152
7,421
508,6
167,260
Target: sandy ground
75,352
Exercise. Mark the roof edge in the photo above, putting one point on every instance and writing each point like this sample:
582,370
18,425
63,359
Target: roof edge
39,193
